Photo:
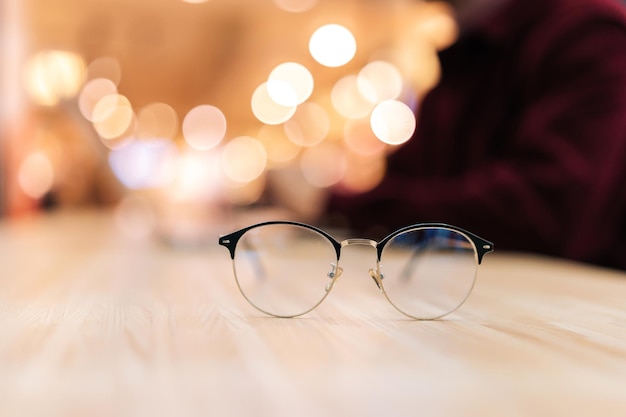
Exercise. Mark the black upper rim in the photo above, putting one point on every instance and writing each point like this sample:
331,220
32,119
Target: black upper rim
481,245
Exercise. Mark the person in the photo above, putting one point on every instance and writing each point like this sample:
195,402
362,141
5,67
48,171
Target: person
523,141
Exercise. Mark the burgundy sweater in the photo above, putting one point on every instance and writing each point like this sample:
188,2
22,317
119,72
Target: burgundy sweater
523,141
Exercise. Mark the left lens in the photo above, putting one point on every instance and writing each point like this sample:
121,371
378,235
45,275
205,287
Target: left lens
428,272
283,269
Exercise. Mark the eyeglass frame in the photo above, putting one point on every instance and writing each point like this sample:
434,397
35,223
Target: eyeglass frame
481,248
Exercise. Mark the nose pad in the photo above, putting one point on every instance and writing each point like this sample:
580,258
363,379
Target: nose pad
376,276
334,273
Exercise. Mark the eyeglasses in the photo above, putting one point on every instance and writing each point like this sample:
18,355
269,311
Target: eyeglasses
286,269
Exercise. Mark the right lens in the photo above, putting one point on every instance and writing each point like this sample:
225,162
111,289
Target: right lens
428,272
283,269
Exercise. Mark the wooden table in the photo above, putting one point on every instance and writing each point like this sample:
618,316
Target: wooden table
93,323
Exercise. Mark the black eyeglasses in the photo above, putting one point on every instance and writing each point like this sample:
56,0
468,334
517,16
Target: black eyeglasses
286,269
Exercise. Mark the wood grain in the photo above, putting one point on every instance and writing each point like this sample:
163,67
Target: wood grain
93,323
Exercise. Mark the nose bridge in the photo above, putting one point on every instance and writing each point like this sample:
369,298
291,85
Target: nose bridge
365,242
373,272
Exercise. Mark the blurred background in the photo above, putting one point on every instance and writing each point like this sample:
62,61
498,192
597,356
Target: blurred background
171,111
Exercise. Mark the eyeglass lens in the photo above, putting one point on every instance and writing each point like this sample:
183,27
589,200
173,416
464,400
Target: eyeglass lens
428,272
287,270
283,270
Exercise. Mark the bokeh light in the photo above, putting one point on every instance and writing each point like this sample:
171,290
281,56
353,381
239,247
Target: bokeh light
157,120
332,45
360,139
327,125
280,149
418,61
393,122
243,194
51,76
324,165
267,110
379,81
295,6
438,25
309,125
92,92
112,116
198,176
36,175
123,140
145,164
363,173
244,159
348,100
105,67
290,84
204,127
